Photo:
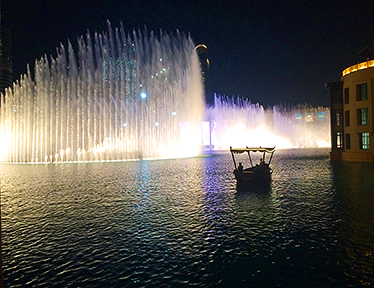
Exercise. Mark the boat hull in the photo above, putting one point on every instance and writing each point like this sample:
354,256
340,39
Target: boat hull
252,180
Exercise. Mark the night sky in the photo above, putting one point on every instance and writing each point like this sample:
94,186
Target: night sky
268,51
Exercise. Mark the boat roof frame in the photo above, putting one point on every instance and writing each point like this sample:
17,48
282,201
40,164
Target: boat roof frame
260,149
252,149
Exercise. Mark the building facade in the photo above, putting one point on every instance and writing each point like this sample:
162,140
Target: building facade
352,107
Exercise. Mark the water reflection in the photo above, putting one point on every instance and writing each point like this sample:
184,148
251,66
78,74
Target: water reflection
355,183
183,222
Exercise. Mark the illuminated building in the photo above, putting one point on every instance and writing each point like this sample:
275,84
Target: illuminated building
352,108
202,52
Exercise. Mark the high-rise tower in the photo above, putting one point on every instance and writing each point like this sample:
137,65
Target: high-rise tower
202,51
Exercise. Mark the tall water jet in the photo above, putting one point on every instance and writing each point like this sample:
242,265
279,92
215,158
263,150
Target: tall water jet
118,97
238,122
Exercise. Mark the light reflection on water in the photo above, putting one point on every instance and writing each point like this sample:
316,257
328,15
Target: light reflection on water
182,222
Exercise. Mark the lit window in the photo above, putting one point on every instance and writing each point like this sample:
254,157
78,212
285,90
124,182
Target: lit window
362,116
321,116
361,91
309,117
338,119
339,139
364,141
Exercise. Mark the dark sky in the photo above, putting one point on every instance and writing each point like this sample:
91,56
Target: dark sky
268,51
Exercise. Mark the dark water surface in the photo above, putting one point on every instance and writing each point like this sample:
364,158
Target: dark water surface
180,223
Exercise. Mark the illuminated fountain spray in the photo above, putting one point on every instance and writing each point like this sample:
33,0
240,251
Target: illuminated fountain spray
240,123
119,97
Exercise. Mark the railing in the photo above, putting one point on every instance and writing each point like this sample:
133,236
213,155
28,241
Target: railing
359,66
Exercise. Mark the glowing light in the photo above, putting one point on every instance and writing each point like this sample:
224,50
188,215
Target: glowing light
157,124
324,144
201,45
245,124
357,67
174,113
143,95
190,139
240,135
4,146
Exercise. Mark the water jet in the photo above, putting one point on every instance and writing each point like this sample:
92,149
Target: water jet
116,97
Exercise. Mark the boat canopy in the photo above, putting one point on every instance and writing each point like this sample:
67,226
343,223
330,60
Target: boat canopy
255,149
260,149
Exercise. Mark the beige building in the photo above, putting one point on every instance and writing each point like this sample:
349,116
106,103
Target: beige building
352,103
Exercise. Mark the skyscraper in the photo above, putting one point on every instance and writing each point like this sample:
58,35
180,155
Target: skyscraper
202,51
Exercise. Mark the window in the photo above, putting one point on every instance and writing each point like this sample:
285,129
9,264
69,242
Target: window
361,91
338,119
309,117
298,117
364,141
321,116
339,139
347,141
347,119
346,95
362,116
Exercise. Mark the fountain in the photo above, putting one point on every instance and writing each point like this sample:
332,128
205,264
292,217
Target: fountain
239,123
119,97
139,96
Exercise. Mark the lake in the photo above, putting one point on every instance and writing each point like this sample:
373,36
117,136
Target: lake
182,222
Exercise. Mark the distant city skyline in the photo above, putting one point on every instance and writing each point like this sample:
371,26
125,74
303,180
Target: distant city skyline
267,52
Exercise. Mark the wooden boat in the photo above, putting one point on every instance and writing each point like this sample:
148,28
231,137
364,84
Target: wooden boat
259,174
